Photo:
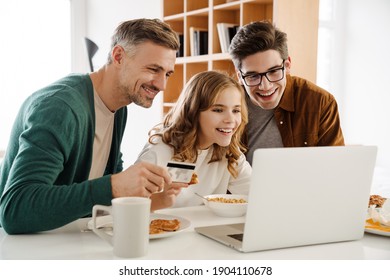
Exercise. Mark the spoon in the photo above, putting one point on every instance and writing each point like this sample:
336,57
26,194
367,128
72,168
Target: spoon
202,197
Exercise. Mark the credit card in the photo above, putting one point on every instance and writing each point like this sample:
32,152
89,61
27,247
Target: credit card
181,171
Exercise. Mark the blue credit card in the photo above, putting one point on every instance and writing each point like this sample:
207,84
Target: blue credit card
181,171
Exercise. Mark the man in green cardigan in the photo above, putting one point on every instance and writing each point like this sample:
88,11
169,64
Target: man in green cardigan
64,156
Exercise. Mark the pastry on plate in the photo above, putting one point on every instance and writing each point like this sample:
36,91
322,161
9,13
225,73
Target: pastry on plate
376,200
162,225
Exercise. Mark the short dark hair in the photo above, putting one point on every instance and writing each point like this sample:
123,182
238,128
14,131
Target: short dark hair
257,37
131,33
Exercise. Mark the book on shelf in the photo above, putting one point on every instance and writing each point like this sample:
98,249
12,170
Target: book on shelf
180,52
199,41
226,32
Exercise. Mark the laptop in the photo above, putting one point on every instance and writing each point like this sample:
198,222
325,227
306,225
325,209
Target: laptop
302,196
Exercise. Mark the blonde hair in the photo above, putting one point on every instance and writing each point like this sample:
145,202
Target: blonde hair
181,124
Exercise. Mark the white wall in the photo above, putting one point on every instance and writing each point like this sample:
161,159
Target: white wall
102,17
34,51
368,66
358,75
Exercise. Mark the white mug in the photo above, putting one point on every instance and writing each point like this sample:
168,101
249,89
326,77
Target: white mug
131,216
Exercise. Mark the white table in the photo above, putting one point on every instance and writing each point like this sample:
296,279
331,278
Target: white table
70,243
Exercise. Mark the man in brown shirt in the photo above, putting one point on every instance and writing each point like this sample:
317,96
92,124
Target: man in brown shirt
284,111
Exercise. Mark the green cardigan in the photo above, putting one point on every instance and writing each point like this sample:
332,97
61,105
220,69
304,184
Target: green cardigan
44,174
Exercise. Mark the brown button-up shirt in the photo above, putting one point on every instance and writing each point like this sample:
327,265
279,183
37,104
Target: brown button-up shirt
307,115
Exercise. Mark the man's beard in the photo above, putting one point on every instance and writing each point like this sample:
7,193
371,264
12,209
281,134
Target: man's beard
139,100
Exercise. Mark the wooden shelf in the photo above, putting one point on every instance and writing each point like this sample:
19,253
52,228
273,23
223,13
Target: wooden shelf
298,18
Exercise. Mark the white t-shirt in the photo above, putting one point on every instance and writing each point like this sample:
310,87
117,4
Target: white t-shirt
104,125
214,178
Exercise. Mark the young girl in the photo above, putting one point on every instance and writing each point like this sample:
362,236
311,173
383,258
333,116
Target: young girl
204,127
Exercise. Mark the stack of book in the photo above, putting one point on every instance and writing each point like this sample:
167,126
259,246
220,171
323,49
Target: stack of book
226,32
180,52
199,41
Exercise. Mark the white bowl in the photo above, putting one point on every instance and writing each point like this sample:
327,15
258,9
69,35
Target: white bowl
225,209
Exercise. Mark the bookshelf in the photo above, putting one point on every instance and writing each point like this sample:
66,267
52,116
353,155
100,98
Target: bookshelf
298,18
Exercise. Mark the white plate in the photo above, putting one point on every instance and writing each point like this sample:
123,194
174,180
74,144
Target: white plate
377,231
184,224
106,222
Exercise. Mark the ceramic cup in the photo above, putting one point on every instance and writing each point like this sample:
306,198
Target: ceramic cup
130,238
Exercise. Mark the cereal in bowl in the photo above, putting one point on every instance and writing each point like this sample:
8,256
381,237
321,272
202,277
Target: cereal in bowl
227,200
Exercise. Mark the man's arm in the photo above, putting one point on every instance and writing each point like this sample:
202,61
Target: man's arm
47,184
330,133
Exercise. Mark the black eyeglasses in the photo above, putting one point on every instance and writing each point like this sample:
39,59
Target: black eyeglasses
254,79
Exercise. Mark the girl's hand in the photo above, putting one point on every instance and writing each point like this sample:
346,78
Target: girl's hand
167,197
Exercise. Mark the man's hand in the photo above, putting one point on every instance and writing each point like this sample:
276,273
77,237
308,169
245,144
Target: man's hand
141,179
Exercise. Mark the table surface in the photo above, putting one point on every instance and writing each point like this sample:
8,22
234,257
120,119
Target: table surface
71,243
